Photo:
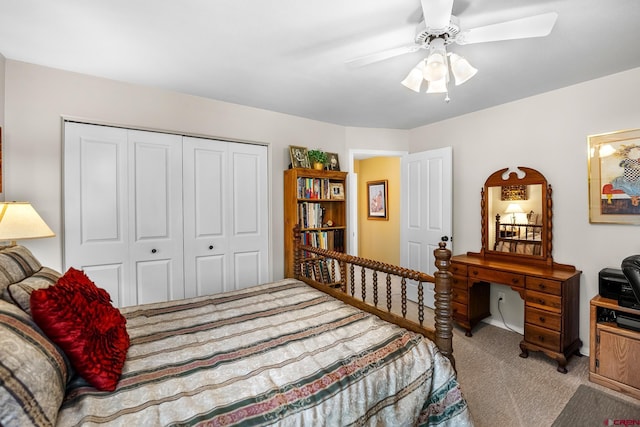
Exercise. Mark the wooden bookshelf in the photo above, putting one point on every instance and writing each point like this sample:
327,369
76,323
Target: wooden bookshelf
314,199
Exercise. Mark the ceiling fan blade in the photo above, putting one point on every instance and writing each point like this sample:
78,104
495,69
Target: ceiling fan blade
437,14
533,26
381,56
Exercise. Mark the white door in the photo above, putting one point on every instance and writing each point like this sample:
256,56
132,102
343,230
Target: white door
205,216
226,219
96,206
155,216
426,206
249,213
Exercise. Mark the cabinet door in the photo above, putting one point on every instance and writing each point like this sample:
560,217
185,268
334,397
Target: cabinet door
206,195
96,232
155,217
618,358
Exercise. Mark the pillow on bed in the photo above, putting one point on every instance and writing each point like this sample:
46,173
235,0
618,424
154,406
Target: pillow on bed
79,317
16,264
33,371
20,293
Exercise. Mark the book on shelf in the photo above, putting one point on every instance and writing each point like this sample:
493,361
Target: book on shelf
313,188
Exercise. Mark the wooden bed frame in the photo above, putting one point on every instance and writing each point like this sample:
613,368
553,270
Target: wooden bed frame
329,272
518,234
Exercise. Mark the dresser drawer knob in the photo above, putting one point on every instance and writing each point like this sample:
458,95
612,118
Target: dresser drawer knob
540,301
474,272
541,286
541,338
542,319
515,280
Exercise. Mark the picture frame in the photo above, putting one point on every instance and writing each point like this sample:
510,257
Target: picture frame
513,192
336,190
614,177
299,157
333,163
377,196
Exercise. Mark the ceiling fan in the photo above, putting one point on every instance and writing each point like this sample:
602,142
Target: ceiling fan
439,29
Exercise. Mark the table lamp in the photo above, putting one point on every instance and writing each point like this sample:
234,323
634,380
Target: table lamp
19,221
513,209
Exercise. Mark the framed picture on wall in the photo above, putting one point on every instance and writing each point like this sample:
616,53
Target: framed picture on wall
614,177
377,200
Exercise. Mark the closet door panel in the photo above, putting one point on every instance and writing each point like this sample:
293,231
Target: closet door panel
155,193
249,242
96,231
206,220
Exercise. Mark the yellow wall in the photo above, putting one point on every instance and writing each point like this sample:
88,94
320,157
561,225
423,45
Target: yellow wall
377,239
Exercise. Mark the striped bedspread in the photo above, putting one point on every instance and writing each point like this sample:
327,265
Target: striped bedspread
282,354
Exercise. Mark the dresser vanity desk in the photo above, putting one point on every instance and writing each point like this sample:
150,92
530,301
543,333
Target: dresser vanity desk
516,252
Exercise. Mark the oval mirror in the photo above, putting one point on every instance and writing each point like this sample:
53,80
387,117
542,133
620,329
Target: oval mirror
516,215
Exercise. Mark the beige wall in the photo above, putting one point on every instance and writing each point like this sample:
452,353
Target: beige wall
378,239
549,133
38,97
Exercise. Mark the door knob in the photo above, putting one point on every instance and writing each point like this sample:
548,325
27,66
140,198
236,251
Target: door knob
153,251
444,238
210,247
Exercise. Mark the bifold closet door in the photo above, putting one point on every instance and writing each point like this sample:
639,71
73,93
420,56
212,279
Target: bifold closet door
225,215
123,211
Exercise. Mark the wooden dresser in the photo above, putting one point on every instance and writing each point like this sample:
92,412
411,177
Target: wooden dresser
551,295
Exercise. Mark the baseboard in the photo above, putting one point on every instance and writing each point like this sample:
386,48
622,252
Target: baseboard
497,323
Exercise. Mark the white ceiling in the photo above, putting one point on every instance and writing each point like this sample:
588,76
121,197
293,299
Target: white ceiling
289,55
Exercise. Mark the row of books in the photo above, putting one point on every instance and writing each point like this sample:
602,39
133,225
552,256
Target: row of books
311,215
332,240
318,270
313,188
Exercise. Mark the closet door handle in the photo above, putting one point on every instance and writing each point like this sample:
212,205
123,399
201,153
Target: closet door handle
210,247
153,251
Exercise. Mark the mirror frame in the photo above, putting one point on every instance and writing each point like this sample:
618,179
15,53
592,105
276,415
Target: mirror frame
507,177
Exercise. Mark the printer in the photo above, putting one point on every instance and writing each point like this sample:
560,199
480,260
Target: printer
613,284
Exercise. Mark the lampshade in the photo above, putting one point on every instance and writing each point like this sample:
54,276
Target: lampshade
513,208
461,69
436,66
414,79
439,86
19,221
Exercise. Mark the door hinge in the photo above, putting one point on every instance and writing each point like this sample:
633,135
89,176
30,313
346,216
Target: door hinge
597,363
598,339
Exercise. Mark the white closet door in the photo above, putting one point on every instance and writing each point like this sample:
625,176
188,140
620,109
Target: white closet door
249,213
96,206
206,219
155,216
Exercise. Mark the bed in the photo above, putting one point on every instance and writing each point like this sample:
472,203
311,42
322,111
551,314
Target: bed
519,238
291,352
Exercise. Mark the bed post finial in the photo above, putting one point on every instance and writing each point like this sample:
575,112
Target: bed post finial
443,320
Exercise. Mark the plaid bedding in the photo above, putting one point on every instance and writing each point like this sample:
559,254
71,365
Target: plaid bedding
275,354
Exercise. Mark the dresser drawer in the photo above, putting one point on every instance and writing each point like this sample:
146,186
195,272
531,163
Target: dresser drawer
541,336
458,269
459,311
495,276
542,318
459,295
544,285
544,301
459,282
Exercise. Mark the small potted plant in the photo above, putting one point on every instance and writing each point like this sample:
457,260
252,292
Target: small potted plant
317,158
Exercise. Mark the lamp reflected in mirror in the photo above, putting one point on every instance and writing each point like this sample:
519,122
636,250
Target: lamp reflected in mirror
513,209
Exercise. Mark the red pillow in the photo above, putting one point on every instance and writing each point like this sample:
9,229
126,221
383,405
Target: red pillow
78,316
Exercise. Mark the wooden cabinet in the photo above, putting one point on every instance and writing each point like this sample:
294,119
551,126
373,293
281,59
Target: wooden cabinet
551,296
316,200
614,351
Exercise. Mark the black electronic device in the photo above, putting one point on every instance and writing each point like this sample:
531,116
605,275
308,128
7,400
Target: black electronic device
628,321
631,270
613,284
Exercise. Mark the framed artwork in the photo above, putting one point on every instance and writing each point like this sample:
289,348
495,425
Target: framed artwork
614,177
513,192
332,162
336,190
377,200
299,157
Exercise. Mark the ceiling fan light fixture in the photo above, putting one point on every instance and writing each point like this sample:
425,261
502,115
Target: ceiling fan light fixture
461,69
439,86
415,77
437,65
